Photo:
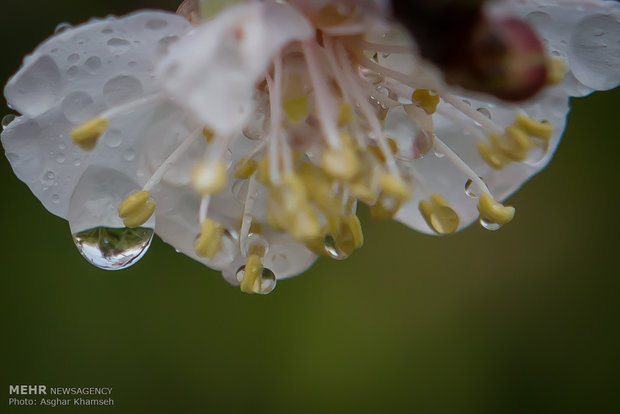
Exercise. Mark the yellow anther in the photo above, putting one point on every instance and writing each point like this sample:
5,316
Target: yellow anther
345,235
210,177
209,135
490,156
319,188
209,242
252,274
352,223
395,186
341,164
542,130
439,215
246,168
556,71
386,207
297,109
136,209
377,152
263,176
345,115
305,224
427,100
86,135
515,145
494,212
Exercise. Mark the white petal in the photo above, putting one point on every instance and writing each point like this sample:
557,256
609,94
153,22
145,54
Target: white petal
584,32
441,176
212,71
74,76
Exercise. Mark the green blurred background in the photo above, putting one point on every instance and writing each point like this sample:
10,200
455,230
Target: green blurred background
524,320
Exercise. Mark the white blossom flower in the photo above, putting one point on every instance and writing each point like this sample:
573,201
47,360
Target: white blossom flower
246,139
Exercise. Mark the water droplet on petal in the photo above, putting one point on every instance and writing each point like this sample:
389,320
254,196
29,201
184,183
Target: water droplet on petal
129,155
113,138
122,89
333,250
99,233
113,248
118,46
257,244
6,120
60,158
489,225
264,285
485,112
62,27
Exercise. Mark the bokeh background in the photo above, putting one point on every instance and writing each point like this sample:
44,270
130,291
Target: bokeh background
524,320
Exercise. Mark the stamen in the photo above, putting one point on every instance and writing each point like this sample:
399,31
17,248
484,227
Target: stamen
211,177
324,105
275,95
426,100
209,241
87,135
439,215
364,105
493,212
136,209
556,71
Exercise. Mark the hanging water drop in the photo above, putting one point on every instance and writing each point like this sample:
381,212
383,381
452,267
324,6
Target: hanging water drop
333,250
98,232
113,248
489,225
6,120
62,27
264,284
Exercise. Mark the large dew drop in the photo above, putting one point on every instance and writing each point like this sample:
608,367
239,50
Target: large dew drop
98,232
113,248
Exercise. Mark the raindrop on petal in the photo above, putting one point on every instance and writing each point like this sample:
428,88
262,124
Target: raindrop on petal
113,248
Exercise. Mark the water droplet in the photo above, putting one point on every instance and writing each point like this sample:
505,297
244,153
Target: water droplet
469,184
129,155
121,89
60,158
7,119
48,179
61,146
78,107
485,112
77,162
93,64
489,225
118,46
228,250
113,248
37,87
55,198
113,138
264,285
62,27
98,231
73,72
73,58
333,250
444,220
439,154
